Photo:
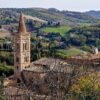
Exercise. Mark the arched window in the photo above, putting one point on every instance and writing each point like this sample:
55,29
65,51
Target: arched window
24,46
25,59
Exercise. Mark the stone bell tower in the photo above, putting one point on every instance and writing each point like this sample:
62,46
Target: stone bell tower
21,47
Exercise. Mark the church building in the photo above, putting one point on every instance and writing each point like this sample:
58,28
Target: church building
36,73
21,47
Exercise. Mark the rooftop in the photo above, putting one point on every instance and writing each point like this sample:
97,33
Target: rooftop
50,64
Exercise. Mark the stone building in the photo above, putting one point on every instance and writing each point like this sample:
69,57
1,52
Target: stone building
46,71
21,48
36,74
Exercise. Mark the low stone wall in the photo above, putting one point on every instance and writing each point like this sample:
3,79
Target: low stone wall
84,62
27,97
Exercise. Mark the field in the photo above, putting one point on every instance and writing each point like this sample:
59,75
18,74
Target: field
61,29
70,52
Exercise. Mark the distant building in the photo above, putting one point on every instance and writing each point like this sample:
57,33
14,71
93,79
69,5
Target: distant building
95,50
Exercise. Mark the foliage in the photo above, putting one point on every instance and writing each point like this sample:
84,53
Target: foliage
88,86
95,14
10,16
6,57
86,48
5,69
88,36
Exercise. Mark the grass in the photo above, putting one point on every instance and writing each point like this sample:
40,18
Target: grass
61,29
69,52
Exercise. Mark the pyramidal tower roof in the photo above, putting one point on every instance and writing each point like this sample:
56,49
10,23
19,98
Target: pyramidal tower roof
22,27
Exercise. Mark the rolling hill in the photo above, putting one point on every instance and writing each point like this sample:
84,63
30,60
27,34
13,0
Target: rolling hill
93,13
10,15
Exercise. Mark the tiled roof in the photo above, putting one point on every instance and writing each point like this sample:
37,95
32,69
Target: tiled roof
50,64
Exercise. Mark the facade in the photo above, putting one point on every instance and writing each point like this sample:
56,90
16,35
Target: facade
45,72
38,74
21,48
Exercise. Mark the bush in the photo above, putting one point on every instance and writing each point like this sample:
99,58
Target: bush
7,70
86,48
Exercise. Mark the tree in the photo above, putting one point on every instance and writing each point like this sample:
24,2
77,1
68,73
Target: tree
87,86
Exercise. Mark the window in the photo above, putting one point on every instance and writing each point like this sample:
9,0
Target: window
17,46
24,46
25,59
17,59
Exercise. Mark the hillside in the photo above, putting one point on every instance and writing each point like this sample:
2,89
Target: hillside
93,13
58,36
84,36
8,16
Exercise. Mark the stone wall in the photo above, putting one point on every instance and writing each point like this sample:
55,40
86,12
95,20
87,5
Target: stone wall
84,62
27,97
43,83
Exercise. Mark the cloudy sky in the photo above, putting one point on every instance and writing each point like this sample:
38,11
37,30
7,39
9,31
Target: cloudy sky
73,5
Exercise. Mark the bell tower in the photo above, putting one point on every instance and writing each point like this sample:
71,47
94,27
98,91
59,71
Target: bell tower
21,47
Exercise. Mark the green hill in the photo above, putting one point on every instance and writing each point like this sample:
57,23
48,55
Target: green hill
10,15
94,13
86,35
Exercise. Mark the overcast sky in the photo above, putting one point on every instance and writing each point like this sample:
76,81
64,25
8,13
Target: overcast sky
73,5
